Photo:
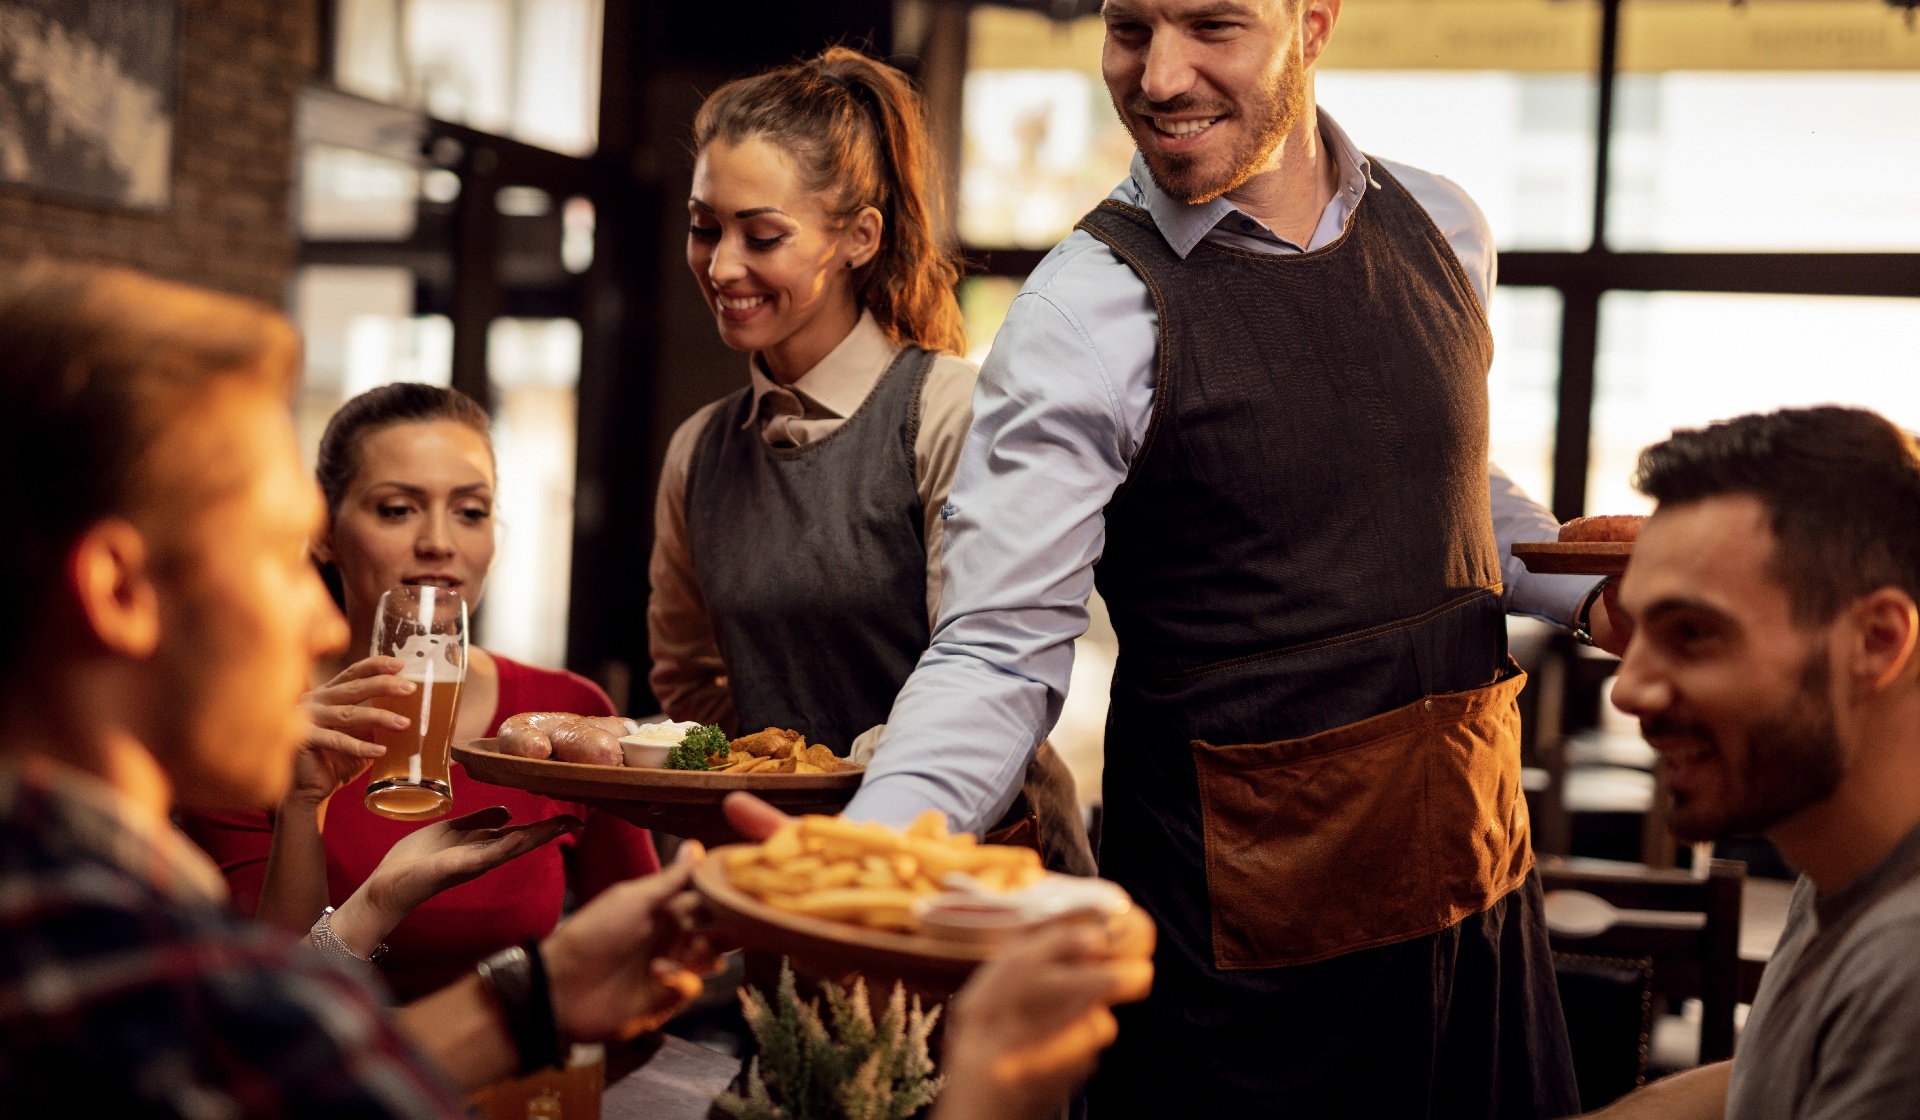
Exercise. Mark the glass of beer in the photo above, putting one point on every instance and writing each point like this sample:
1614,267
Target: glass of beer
426,628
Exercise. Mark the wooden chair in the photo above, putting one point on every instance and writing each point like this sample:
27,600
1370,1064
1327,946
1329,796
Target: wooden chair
1688,926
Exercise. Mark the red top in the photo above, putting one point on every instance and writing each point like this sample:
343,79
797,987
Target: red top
451,932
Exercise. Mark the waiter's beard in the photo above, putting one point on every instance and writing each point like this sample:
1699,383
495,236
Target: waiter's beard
1195,179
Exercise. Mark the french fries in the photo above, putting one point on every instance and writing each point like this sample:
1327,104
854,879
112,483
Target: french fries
868,874
778,751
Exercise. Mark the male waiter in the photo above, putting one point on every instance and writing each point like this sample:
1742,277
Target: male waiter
1247,397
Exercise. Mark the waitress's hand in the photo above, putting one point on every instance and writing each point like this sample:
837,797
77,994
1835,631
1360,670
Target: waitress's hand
337,751
429,860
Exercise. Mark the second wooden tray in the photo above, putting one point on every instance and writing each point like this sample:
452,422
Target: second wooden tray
1578,558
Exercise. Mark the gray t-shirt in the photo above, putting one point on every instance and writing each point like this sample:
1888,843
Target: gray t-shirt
1835,1030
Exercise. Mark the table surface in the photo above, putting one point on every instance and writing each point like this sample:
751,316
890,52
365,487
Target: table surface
677,1081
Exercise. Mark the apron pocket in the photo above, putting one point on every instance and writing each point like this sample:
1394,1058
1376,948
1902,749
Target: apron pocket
1369,834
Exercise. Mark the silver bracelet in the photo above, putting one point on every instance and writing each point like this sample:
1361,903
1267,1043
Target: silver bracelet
322,937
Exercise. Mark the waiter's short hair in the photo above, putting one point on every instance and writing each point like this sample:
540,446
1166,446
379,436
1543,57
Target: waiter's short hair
1841,486
96,365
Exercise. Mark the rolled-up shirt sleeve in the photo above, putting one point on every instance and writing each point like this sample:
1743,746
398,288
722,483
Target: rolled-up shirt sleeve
1517,518
1048,446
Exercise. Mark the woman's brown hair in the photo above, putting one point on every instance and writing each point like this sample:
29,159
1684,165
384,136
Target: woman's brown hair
856,128
404,402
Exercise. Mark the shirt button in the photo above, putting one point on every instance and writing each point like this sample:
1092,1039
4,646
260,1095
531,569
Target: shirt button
1248,224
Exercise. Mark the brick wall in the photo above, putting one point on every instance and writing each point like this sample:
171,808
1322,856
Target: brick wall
241,65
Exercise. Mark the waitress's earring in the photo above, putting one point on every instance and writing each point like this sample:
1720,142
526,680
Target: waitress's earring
849,264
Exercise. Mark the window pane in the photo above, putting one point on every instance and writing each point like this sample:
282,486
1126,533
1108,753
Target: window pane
349,195
533,367
1520,144
1774,125
1670,360
1042,143
523,68
1523,386
1497,95
360,331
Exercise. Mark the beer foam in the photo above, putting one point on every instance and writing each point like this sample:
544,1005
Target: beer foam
430,659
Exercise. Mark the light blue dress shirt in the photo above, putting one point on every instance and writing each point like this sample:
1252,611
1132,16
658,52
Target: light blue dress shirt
1061,408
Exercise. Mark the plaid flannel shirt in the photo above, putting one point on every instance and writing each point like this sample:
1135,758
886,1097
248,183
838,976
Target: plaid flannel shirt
128,988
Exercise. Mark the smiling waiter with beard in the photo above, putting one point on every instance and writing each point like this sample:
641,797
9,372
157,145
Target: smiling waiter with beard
1247,398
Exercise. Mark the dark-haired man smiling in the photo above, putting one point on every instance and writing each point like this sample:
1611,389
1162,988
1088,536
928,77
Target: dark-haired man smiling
1773,666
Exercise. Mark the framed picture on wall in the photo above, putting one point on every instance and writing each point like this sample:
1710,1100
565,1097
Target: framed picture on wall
87,98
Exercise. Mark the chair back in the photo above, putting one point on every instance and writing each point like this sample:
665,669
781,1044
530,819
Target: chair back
1687,925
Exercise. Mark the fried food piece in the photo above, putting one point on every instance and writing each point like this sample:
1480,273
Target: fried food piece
1617,528
773,742
564,736
822,758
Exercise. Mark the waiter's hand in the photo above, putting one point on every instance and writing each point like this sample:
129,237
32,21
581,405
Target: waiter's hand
1608,621
752,817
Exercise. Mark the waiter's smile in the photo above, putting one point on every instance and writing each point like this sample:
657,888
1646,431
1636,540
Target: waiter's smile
1183,134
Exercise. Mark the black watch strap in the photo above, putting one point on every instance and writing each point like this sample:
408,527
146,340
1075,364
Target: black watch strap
1583,614
517,977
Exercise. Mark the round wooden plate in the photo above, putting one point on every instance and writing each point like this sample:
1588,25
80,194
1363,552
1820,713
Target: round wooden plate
677,802
1579,558
835,951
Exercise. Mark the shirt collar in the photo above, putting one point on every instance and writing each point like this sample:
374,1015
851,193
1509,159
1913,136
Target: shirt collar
100,819
842,380
1185,225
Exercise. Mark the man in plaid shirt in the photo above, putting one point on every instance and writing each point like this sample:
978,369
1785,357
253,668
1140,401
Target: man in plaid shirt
161,620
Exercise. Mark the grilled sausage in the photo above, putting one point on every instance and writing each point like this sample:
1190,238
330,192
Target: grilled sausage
565,737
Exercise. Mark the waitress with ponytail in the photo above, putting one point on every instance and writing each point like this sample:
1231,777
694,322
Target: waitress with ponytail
796,561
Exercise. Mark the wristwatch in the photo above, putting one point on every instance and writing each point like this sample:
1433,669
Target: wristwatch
322,937
517,979
1583,614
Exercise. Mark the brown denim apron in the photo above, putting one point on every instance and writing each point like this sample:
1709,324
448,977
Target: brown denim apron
1380,831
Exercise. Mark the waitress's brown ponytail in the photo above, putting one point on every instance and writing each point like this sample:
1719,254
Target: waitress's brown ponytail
857,131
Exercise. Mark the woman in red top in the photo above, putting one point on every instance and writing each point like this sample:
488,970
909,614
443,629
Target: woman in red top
408,475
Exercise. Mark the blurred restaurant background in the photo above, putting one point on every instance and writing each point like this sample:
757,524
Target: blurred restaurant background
1703,208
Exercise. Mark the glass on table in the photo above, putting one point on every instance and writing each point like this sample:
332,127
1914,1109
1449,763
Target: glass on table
425,627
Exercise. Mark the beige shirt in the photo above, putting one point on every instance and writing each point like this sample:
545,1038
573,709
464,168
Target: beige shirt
688,676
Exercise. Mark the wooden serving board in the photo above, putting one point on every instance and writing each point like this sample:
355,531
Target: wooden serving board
825,950
678,802
1581,558
932,967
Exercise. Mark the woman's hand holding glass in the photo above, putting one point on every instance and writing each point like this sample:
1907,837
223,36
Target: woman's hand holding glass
338,749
